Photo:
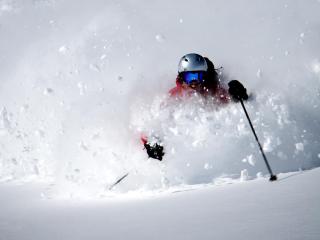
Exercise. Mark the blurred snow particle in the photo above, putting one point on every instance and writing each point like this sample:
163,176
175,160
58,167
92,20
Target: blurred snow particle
48,91
43,196
83,146
180,20
130,67
160,37
286,53
63,50
259,73
299,146
301,38
259,175
103,56
5,122
82,88
207,166
249,159
39,133
319,155
315,66
24,108
279,142
196,143
173,150
95,136
128,27
6,6
244,175
241,127
281,155
95,67
174,130
42,3
267,146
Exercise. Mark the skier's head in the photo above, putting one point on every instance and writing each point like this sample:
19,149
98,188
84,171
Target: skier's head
192,68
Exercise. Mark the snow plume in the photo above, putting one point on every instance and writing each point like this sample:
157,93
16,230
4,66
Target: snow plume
79,85
204,141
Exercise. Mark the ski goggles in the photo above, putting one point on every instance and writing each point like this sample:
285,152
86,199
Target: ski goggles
189,77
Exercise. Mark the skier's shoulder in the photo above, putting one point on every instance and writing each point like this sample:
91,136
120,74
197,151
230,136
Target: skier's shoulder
176,90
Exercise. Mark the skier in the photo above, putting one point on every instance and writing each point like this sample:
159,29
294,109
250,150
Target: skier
197,74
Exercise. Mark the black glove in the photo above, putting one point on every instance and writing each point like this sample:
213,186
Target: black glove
155,151
237,90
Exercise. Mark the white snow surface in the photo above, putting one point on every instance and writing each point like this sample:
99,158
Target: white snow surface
80,81
257,209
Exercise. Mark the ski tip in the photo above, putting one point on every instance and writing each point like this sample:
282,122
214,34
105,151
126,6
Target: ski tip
273,178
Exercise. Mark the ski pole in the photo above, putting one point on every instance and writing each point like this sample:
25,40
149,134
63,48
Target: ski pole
273,177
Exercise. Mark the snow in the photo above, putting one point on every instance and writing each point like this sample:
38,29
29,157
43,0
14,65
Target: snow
81,81
258,209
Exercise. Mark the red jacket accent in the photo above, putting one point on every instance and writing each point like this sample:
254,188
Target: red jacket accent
144,139
217,91
178,90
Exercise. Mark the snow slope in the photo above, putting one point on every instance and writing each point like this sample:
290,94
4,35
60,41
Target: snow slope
258,209
80,81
